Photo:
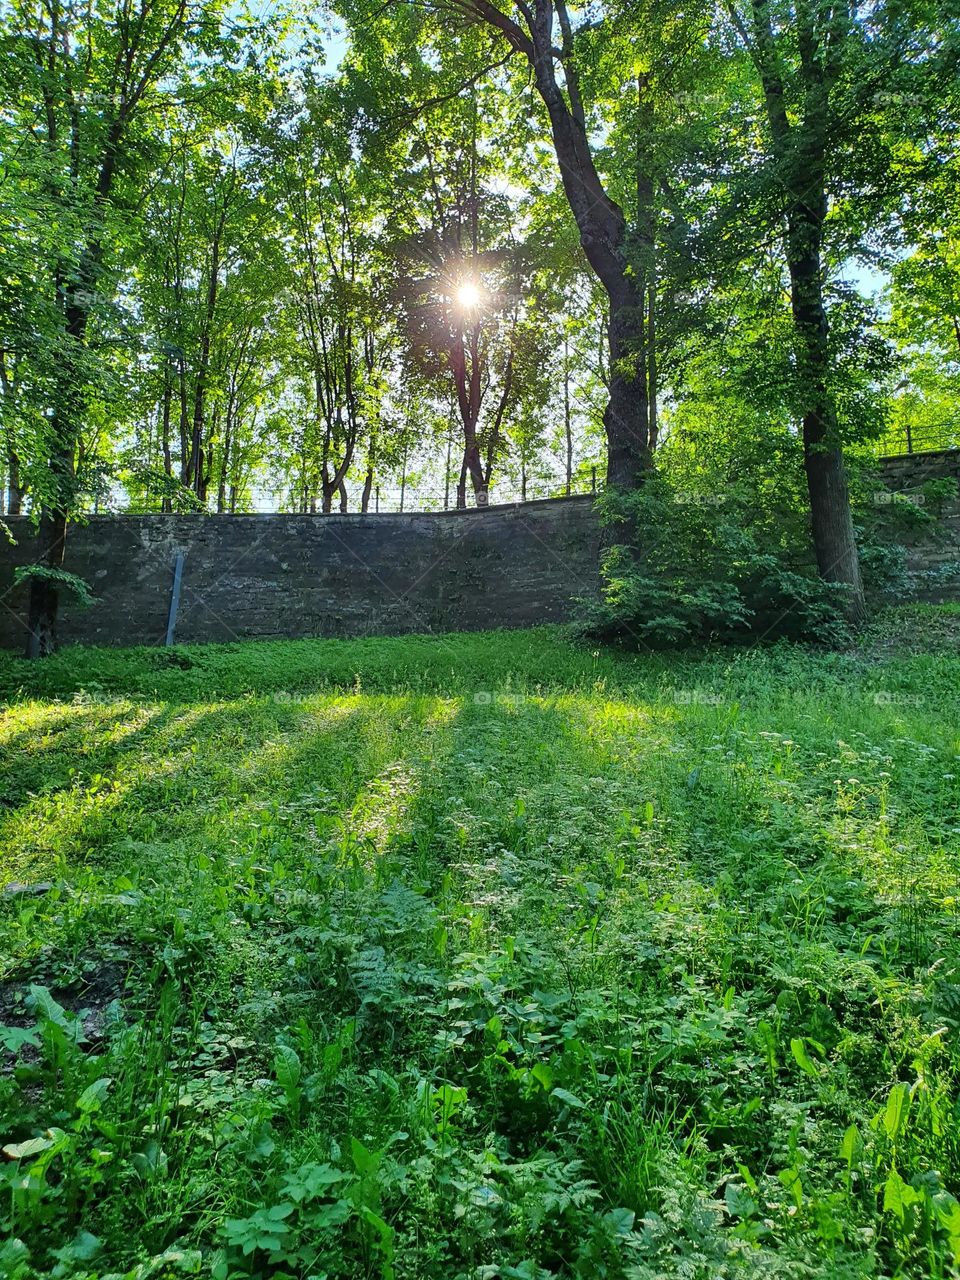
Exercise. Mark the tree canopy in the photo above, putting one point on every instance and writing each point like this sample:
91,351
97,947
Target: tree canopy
461,252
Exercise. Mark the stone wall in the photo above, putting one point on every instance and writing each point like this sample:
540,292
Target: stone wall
286,575
933,555
911,470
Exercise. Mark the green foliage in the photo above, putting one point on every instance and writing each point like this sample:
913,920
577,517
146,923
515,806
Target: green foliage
631,966
75,586
702,565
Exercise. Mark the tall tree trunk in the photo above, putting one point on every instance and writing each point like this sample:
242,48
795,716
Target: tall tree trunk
14,498
197,472
65,431
66,421
473,463
799,148
626,416
601,224
652,375
224,463
834,538
446,471
365,495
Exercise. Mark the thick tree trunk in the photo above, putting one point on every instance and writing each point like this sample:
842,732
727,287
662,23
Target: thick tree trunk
44,597
365,495
166,506
65,427
602,227
626,417
799,147
834,538
473,463
652,374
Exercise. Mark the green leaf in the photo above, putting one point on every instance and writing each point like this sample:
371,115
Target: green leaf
570,1099
851,1146
60,578
791,1180
620,1221
288,1068
894,1114
898,1195
543,1075
14,1038
740,1203
802,1058
31,1147
365,1161
47,1008
92,1097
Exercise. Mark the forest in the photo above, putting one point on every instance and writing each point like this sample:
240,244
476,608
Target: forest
416,256
618,945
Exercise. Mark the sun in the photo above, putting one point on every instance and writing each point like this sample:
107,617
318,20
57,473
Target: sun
468,295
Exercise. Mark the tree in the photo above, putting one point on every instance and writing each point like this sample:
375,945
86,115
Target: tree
544,34
84,85
821,67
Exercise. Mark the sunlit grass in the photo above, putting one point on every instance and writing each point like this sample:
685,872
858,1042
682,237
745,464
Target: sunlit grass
710,898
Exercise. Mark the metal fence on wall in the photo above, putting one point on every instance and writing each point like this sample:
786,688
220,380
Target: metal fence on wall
410,498
919,440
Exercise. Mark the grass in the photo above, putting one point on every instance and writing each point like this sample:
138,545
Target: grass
482,956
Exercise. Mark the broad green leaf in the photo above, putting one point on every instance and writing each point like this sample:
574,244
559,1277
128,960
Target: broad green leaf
570,1099
898,1195
802,1058
896,1110
92,1097
14,1038
851,1146
31,1147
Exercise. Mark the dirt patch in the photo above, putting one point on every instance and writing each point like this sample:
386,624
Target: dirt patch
90,998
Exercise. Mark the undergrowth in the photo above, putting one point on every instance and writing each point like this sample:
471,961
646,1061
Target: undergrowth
481,957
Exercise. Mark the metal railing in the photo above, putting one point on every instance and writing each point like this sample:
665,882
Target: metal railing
919,440
264,499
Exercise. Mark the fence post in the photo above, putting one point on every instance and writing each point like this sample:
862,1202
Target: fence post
174,598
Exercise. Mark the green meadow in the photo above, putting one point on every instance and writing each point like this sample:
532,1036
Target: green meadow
479,957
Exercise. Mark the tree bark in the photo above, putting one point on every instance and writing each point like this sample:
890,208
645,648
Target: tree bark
799,149
166,506
65,429
602,227
135,68
834,539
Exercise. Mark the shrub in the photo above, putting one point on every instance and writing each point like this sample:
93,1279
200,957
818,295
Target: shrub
686,566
